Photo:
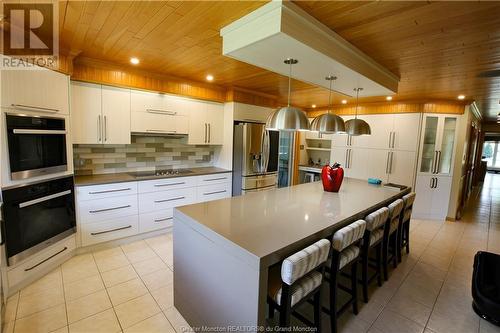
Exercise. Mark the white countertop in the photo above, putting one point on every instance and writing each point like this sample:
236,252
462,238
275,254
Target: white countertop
265,223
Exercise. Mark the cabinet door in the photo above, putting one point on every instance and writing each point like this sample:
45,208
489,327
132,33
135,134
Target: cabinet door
142,101
40,90
147,122
429,143
381,127
377,163
357,162
339,155
116,115
215,120
402,167
180,106
340,140
423,199
86,115
441,197
406,131
198,127
446,145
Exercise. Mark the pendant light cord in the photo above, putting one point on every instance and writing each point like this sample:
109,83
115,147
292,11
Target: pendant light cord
330,97
357,102
289,82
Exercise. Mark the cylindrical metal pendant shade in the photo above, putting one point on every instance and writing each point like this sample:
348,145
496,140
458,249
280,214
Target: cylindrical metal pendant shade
288,119
328,123
357,127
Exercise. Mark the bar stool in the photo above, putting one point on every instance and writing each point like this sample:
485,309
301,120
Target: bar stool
297,280
391,236
373,239
404,229
346,248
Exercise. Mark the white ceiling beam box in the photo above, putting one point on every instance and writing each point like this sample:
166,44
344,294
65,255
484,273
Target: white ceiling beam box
280,30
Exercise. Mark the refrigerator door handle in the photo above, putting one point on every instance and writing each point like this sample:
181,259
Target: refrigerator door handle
265,150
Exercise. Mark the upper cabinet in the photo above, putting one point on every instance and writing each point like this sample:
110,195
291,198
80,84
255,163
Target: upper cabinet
438,144
206,123
100,114
159,113
40,90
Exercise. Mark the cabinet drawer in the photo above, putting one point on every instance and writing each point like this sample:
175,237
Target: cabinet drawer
105,209
103,231
42,261
156,122
214,192
158,185
105,191
149,202
156,220
215,178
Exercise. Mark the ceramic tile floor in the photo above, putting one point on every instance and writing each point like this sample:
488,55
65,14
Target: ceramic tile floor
123,289
129,288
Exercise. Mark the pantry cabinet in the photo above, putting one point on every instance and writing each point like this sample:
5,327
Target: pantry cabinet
100,114
38,90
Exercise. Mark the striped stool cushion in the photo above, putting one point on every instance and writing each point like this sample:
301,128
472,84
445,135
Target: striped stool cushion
299,290
348,255
348,235
302,262
408,200
395,209
377,219
376,235
394,225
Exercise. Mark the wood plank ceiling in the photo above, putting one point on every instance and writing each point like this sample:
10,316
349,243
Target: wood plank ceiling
439,49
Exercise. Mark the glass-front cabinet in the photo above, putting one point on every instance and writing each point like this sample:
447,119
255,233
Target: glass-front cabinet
438,142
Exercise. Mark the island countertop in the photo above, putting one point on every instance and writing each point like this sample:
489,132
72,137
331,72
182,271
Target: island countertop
223,249
267,223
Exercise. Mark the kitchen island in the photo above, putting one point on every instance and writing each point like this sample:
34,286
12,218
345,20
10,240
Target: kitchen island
223,248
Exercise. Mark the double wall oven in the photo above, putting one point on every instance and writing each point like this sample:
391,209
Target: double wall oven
36,213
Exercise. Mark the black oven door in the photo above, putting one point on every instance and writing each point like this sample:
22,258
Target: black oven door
37,146
37,215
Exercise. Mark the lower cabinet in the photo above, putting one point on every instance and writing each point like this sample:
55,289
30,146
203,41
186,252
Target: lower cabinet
433,194
145,205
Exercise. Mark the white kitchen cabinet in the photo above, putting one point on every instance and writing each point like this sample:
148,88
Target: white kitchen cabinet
100,114
213,192
93,233
206,123
406,131
250,113
438,144
116,115
86,113
158,113
381,126
433,196
401,168
40,90
342,139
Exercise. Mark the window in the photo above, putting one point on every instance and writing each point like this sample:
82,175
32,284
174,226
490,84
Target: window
491,153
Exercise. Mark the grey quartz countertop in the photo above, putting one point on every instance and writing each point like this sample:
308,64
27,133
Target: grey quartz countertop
265,224
130,177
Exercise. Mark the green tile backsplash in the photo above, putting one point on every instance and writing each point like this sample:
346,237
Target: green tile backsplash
145,153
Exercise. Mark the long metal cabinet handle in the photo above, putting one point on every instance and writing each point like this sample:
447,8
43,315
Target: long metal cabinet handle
438,167
165,219
105,128
390,138
110,191
38,108
26,131
164,112
171,184
387,163
350,158
160,131
46,259
346,154
431,182
436,184
393,139
45,198
111,230
209,133
212,179
434,162
216,192
390,163
172,199
205,132
99,127
108,209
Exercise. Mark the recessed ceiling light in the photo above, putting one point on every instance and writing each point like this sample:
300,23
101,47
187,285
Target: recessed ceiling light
389,98
461,97
344,101
134,60
210,77
313,106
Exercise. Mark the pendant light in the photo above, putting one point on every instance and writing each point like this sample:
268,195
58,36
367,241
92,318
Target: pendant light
356,127
328,122
288,118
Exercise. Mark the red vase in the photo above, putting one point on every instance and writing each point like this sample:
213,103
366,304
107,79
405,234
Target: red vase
332,177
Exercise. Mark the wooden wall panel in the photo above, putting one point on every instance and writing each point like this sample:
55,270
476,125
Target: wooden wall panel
399,107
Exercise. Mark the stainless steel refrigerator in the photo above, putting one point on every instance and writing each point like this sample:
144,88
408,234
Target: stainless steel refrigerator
257,158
